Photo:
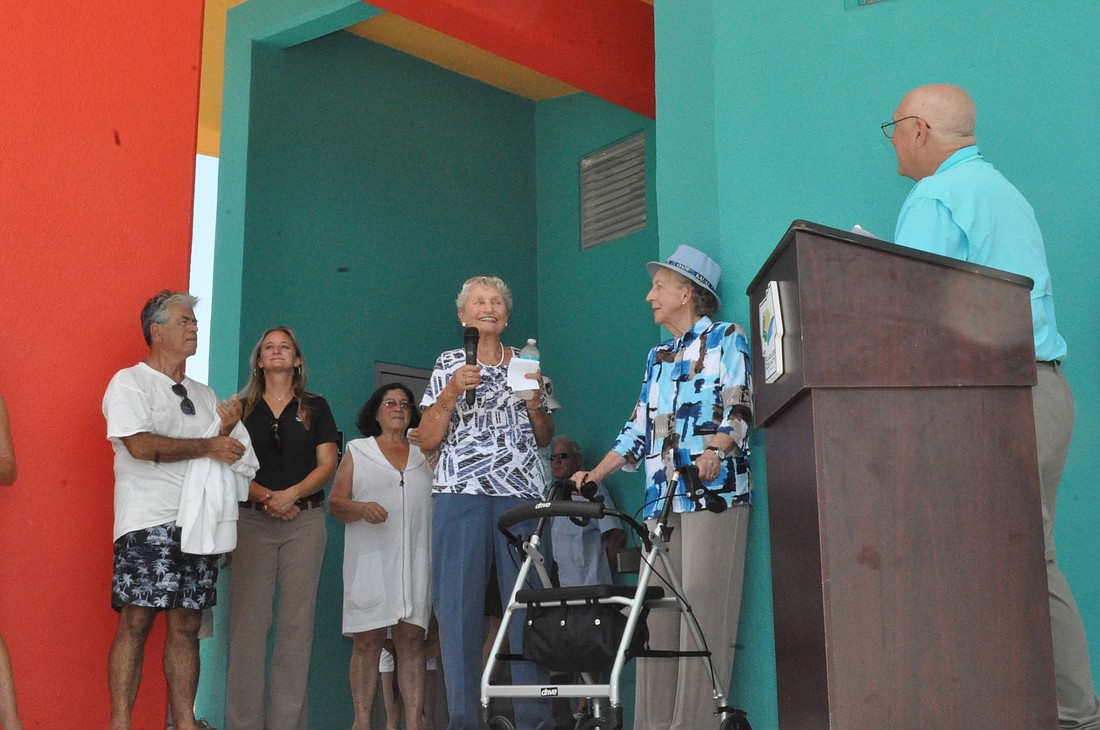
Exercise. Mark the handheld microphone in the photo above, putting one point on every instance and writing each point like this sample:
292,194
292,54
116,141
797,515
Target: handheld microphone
469,342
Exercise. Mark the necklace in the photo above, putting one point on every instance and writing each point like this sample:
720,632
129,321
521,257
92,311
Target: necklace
487,365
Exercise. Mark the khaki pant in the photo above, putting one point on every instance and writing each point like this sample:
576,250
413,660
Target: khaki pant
708,552
1078,705
272,554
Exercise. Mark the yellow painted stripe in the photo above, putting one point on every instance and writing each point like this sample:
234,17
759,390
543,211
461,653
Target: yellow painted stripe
462,58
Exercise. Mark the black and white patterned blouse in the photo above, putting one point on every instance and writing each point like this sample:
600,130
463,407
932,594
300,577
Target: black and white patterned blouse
490,446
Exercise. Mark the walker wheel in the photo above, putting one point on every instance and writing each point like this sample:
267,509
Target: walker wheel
591,723
499,722
735,720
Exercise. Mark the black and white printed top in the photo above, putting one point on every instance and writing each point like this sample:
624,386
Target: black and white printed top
490,446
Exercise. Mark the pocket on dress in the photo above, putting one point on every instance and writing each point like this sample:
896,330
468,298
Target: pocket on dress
366,589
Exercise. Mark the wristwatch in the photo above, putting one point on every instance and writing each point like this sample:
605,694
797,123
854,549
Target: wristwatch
721,454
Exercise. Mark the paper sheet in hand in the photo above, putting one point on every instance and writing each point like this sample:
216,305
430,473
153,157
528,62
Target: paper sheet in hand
517,368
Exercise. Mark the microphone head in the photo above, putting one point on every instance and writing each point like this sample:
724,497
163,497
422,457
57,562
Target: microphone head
471,335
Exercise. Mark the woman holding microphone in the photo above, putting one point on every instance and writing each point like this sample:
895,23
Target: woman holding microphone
488,463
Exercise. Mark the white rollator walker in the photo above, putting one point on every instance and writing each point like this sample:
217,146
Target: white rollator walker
594,629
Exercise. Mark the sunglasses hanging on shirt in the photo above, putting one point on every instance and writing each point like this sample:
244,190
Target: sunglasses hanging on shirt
186,405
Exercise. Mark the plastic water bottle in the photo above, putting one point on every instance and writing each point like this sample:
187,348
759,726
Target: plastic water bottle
529,352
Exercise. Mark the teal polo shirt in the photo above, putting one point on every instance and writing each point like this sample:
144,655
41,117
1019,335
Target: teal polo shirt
969,211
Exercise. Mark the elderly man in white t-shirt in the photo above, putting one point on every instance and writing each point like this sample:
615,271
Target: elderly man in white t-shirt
156,421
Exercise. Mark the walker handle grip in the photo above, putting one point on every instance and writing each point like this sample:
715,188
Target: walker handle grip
553,508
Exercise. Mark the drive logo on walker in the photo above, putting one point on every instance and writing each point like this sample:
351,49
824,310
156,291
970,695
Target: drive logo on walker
549,691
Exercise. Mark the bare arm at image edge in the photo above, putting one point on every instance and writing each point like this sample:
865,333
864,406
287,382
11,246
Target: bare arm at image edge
7,449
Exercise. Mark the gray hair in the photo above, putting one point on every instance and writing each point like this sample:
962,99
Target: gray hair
493,282
705,302
574,447
155,310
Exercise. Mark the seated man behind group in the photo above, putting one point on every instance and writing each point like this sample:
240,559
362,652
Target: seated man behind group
584,555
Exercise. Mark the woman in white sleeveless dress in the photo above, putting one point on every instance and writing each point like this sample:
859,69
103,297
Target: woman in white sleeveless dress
382,492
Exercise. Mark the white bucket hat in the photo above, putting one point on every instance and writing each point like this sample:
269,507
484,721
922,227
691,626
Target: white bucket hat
693,264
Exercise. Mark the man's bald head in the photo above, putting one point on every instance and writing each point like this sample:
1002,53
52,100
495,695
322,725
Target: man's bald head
948,109
940,120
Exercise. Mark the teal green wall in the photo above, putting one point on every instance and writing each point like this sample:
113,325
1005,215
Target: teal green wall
359,188
372,184
253,26
595,327
456,203
378,184
768,112
693,207
789,96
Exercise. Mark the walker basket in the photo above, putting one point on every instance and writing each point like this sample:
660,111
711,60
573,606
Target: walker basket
570,630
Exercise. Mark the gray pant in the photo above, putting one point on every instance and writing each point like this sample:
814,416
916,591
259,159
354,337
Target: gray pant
708,551
272,553
1078,705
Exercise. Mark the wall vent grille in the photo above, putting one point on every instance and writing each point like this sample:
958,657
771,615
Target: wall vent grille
613,201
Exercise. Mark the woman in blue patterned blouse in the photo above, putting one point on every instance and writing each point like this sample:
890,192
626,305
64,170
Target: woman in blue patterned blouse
488,463
695,408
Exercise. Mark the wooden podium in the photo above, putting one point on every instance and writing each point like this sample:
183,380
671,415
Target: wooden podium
903,489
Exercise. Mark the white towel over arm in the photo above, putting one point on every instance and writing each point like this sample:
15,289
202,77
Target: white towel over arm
211,490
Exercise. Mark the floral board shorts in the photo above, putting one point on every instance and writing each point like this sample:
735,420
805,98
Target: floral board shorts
152,571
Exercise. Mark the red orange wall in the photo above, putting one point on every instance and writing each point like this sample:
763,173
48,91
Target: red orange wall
98,108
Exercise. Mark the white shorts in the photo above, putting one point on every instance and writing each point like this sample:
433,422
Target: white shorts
385,662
